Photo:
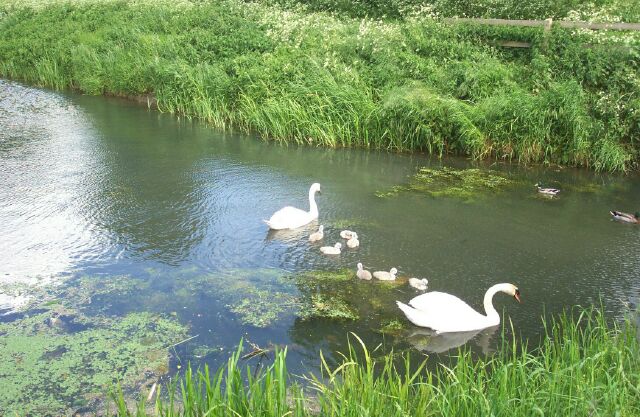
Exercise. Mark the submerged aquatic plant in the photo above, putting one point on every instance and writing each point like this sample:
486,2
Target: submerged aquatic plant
261,308
392,327
322,306
261,297
450,182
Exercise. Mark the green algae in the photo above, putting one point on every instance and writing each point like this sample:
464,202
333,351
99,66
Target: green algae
351,224
47,370
85,289
324,306
261,297
327,294
261,308
392,327
465,184
324,277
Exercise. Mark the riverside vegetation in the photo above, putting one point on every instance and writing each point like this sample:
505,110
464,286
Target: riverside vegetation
310,72
583,367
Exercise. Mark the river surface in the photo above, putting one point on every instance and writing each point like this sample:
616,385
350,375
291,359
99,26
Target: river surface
102,188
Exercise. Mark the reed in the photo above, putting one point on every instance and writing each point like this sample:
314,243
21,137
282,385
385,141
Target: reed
584,366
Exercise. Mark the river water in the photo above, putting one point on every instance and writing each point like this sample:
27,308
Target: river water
102,188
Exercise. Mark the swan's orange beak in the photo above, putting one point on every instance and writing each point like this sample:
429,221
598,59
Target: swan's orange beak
517,296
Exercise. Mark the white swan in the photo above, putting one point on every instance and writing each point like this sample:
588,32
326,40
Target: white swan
446,313
363,273
353,242
346,234
291,217
331,250
419,284
319,235
386,276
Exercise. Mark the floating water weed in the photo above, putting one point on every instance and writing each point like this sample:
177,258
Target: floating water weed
321,306
465,184
47,369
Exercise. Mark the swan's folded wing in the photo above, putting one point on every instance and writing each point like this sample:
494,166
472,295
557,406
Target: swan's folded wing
285,214
441,303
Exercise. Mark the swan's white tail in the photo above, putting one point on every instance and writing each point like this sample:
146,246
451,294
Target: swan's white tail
414,316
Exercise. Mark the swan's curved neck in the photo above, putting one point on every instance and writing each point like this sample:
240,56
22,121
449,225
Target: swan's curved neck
313,207
490,311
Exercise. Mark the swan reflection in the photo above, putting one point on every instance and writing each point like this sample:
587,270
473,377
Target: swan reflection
427,340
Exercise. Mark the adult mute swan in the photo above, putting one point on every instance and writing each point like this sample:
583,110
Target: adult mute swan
446,313
291,217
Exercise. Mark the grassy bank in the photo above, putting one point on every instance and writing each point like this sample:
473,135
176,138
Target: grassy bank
584,367
327,79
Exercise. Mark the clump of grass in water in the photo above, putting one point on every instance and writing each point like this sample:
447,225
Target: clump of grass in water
328,307
583,365
450,182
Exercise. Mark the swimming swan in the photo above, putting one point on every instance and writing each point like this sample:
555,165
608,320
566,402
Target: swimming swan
291,217
446,313
353,242
319,235
346,234
386,276
419,284
363,273
331,250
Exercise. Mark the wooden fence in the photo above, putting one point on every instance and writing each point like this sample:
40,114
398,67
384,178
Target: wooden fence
546,24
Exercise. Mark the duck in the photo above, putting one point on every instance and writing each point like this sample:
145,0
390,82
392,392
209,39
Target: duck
386,276
626,217
293,218
363,273
446,313
353,242
346,234
419,284
547,191
316,236
331,250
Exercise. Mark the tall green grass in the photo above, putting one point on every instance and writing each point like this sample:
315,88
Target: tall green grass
330,80
583,367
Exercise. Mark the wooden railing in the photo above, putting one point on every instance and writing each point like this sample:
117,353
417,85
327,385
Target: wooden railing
546,24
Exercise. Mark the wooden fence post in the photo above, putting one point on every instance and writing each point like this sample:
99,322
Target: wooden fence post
548,23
